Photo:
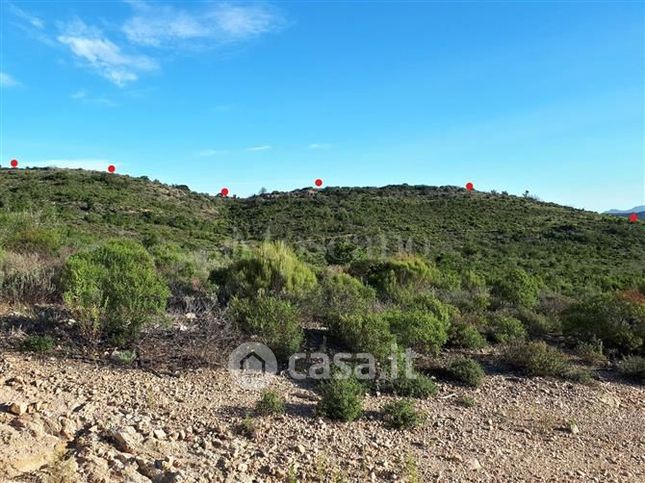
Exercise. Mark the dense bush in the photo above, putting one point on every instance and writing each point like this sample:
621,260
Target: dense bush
467,371
536,324
38,343
633,367
341,398
343,252
415,385
271,268
270,403
405,381
273,320
505,328
618,322
399,276
181,270
402,414
364,333
415,328
342,295
114,289
536,359
517,288
466,335
34,239
428,302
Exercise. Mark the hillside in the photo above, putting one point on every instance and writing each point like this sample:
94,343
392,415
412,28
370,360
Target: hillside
568,248
123,302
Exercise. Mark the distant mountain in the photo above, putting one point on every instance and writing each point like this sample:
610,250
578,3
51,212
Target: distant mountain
639,210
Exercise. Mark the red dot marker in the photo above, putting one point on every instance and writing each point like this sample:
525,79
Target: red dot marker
318,182
224,192
633,218
14,163
111,168
470,186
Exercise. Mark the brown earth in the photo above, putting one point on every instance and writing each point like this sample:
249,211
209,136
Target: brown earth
67,420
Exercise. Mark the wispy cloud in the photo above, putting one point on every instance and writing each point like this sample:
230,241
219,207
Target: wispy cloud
7,81
205,153
166,25
102,55
87,98
265,147
27,17
87,164
319,146
32,25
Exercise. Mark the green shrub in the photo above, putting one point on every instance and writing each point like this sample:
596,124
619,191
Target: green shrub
467,371
633,367
537,325
341,398
618,322
341,295
273,320
408,382
38,343
402,414
415,385
462,334
181,270
35,240
579,375
270,403
271,268
114,289
536,359
414,328
343,252
470,280
517,288
591,352
125,357
506,329
364,333
399,276
428,302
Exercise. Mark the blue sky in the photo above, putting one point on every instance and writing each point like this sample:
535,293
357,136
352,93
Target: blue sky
538,96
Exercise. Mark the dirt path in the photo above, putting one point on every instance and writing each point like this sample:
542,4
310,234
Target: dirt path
72,421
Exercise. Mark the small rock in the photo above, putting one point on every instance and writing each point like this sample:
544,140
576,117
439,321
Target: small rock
159,434
18,408
474,464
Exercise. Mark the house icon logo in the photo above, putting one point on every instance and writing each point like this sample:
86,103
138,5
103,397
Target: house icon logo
252,365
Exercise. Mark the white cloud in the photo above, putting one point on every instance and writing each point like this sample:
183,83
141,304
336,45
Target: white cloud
163,25
7,81
319,146
85,97
205,153
259,148
87,164
105,57
30,19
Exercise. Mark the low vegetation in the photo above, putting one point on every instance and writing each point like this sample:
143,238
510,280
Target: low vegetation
401,414
359,270
341,398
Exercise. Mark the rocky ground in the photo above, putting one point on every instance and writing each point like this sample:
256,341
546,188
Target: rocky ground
70,421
